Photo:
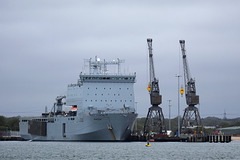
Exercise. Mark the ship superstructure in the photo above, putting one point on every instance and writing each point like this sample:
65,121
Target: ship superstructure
99,107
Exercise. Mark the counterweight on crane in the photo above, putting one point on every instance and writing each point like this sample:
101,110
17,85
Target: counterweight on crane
155,119
191,117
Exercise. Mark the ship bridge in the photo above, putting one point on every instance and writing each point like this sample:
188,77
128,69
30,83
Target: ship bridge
108,78
99,72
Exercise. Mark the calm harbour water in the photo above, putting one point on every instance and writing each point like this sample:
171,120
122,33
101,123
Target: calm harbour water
11,150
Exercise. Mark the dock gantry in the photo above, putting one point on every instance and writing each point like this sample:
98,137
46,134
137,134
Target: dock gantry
191,117
155,119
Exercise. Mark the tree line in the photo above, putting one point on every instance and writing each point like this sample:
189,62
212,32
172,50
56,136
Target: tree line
209,121
12,123
9,124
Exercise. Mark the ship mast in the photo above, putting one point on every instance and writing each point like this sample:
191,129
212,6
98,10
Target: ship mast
100,67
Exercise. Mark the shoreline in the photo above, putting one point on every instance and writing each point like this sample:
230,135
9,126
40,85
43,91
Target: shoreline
235,138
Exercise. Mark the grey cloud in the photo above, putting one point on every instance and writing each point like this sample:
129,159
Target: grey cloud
43,44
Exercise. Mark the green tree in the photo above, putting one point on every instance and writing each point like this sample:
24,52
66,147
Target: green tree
9,123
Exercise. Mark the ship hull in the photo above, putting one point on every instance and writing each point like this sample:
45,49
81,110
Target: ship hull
94,127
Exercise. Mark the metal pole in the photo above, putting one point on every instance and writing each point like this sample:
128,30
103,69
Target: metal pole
136,112
169,114
178,76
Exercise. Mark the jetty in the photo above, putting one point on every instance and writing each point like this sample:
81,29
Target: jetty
186,138
10,136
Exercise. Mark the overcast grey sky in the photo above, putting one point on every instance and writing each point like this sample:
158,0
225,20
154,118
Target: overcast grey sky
43,44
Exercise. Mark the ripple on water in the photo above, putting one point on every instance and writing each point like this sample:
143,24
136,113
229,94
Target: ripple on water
133,150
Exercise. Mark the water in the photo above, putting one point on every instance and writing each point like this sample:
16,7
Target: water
18,150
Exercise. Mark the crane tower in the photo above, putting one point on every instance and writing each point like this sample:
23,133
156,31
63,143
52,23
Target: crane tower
191,116
155,119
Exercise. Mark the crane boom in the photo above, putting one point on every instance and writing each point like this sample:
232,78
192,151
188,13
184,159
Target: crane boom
155,96
190,89
185,64
151,65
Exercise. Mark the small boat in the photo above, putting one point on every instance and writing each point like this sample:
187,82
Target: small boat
151,140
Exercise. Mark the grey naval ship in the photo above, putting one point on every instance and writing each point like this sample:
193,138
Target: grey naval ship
99,107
